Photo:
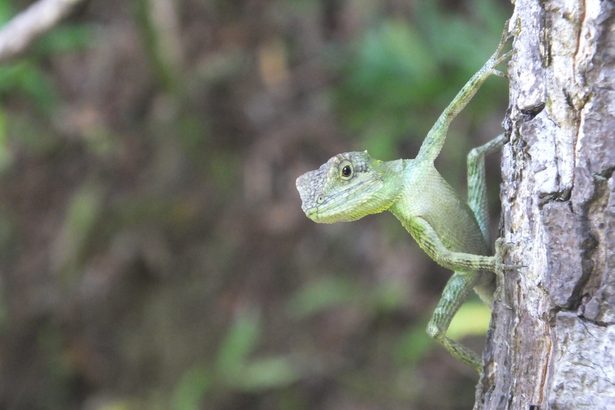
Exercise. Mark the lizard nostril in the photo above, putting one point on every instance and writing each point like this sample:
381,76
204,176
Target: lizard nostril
320,199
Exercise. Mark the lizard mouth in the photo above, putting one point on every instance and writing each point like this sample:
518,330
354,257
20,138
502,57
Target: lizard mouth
311,212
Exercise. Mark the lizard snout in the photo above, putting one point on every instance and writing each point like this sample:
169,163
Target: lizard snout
309,191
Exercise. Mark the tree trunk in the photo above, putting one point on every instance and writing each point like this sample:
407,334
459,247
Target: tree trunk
552,338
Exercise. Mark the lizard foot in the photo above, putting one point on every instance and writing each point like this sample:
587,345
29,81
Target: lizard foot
502,249
499,56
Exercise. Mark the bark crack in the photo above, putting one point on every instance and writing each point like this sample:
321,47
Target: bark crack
582,14
596,322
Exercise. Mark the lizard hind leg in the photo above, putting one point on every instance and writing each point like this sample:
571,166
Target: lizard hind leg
453,296
477,184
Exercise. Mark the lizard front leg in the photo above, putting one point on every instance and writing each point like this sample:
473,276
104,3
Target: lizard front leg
437,134
429,240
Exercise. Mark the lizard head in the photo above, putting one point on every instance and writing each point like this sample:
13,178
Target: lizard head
349,186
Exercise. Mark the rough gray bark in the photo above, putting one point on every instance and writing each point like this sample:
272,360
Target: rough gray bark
552,341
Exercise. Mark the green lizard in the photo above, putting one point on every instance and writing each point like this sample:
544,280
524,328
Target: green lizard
352,185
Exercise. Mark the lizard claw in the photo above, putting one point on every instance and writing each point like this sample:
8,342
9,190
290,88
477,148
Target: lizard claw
499,56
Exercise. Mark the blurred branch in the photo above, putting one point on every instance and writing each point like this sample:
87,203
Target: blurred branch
27,26
159,24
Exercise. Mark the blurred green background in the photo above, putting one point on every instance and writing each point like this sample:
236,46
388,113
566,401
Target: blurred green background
153,254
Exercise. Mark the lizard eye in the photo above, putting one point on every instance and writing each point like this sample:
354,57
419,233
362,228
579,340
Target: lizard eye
346,170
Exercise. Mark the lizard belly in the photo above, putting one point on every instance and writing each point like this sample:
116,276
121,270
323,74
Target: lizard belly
430,197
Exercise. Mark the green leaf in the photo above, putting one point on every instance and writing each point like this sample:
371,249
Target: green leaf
64,39
472,319
267,373
23,77
321,295
191,389
413,345
388,296
238,343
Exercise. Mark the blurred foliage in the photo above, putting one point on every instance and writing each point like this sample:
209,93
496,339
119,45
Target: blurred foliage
232,358
5,155
324,294
330,292
394,80
234,369
153,253
78,228
26,77
414,344
472,319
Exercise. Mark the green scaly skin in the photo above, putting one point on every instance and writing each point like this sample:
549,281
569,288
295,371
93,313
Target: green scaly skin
452,232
